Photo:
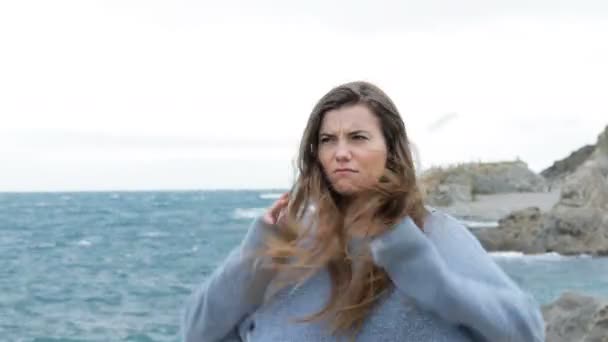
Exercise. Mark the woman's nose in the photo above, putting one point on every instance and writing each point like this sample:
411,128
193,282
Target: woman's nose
342,152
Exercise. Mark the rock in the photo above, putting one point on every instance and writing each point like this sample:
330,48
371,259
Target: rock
575,317
562,168
491,208
494,178
446,186
518,231
578,223
443,187
447,194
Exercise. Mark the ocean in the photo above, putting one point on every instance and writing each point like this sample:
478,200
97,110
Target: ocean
118,266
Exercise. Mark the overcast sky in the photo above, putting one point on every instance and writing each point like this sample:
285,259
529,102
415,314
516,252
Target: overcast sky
110,95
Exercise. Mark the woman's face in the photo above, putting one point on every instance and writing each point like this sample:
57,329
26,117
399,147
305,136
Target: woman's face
352,150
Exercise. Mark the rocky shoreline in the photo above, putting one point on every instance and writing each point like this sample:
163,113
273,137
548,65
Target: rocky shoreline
576,317
564,209
565,212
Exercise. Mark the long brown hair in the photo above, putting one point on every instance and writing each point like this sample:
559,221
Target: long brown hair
323,241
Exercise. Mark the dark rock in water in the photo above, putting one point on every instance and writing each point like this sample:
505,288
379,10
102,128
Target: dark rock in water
576,317
518,231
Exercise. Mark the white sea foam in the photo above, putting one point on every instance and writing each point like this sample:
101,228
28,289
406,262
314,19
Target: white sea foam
84,243
552,256
270,196
508,254
153,234
46,245
480,224
248,213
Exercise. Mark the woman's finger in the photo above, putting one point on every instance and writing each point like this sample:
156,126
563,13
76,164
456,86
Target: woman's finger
280,208
272,215
276,207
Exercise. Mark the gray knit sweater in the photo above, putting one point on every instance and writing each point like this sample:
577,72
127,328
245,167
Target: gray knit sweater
447,288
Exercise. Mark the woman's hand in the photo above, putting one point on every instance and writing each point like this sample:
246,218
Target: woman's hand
275,213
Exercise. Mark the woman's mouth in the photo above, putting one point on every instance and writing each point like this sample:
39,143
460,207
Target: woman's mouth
342,172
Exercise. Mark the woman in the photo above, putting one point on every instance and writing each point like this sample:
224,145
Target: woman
352,253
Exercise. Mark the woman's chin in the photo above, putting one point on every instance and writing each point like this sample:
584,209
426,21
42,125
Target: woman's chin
345,189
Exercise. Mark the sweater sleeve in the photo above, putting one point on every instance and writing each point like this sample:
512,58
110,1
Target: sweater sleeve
471,290
232,291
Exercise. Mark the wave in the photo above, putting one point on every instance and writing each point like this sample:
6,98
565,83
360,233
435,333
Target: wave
247,213
45,244
480,224
551,256
153,234
84,243
271,196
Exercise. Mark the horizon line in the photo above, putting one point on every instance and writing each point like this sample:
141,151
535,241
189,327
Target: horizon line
2,192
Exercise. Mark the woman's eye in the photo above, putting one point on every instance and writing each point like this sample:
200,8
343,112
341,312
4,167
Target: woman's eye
360,137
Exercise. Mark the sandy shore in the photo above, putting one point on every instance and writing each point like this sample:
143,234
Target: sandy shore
491,208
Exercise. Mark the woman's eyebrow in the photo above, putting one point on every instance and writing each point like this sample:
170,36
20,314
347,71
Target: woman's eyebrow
359,131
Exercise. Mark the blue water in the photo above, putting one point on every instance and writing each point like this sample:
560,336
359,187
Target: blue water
118,266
